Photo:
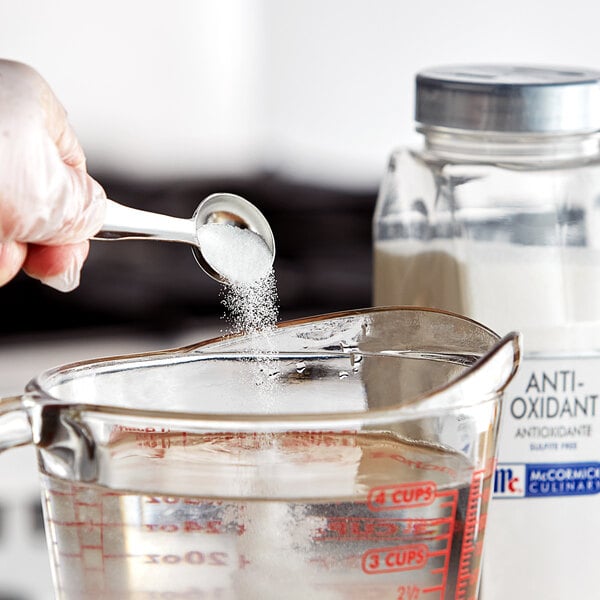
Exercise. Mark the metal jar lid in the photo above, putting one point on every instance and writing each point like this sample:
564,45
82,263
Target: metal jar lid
509,98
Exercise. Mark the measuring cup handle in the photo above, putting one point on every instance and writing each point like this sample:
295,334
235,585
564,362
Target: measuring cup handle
123,222
15,429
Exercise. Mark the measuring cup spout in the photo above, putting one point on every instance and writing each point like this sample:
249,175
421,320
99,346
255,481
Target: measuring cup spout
494,371
15,429
502,362
486,378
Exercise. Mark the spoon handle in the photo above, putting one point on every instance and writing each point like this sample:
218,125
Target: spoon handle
125,223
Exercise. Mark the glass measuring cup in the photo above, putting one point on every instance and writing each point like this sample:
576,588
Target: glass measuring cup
351,458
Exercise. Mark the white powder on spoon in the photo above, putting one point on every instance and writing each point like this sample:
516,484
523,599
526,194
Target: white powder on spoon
244,261
239,255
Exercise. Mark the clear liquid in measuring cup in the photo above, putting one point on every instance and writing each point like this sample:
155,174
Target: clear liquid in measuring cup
356,516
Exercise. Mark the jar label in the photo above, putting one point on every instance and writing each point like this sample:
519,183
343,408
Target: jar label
549,438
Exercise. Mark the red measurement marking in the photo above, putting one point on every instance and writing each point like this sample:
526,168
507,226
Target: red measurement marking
102,536
394,558
371,528
445,568
244,562
437,588
409,592
85,524
468,575
212,527
59,493
414,496
448,535
401,496
414,464
194,557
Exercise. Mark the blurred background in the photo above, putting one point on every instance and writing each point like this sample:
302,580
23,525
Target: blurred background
294,104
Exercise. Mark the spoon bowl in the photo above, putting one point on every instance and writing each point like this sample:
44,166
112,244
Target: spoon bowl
230,209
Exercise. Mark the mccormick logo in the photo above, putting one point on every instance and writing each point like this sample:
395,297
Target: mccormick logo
563,479
547,479
509,481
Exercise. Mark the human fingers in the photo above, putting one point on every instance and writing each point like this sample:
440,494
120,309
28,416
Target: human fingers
79,203
57,266
12,257
46,194
61,132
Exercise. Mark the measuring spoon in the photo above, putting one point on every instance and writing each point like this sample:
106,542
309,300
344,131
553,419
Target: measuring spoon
125,223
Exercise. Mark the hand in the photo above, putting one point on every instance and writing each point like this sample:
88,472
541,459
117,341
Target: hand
49,205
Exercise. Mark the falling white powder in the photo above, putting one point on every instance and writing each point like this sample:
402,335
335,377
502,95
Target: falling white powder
278,536
252,307
239,255
244,261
